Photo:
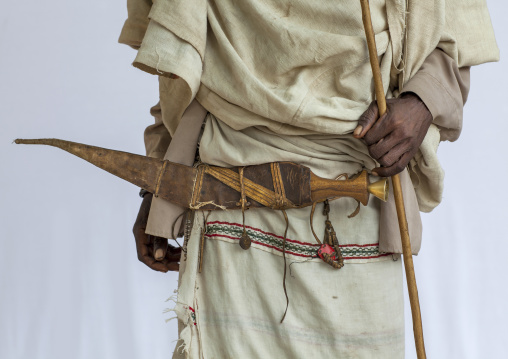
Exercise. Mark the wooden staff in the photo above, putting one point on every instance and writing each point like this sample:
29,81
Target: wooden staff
397,190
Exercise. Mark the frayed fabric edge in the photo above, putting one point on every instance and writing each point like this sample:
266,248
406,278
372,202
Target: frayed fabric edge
186,315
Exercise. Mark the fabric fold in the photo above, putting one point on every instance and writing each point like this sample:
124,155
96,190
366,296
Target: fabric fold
181,150
136,23
317,85
163,53
443,87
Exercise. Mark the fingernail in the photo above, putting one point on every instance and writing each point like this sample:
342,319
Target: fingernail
358,130
159,254
374,173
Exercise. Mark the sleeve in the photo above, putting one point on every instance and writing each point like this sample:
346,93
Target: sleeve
135,26
174,42
444,88
163,53
468,35
156,136
171,38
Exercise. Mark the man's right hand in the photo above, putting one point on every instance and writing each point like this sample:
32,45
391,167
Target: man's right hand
147,245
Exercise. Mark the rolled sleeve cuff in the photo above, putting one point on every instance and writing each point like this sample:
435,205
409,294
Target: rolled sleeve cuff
446,110
134,27
132,34
163,53
443,87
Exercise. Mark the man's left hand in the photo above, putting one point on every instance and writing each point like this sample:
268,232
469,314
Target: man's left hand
394,138
153,251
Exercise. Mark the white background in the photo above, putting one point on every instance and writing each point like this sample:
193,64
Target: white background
70,283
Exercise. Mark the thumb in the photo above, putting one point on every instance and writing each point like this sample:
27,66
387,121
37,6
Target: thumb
160,247
366,120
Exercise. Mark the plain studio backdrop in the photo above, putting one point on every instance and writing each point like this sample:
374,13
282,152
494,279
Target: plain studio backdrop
70,282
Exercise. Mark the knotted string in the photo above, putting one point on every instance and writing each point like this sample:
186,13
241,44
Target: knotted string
285,268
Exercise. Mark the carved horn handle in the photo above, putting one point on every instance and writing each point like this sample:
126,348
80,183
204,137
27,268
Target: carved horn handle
357,188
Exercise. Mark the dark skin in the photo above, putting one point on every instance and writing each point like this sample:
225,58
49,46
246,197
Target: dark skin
153,251
395,137
392,140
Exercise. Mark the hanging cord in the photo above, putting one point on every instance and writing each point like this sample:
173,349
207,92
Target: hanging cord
202,241
174,225
331,239
357,210
298,262
189,222
245,240
285,268
312,222
329,250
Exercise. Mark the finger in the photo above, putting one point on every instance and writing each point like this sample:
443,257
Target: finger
170,263
153,264
141,237
145,257
170,257
174,267
149,261
143,246
173,249
378,130
366,120
394,154
160,247
395,168
383,146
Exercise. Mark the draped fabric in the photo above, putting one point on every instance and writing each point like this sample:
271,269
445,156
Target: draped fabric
72,286
288,81
320,82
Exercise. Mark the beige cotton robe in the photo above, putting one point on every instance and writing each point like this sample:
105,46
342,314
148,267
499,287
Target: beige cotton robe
301,104
444,94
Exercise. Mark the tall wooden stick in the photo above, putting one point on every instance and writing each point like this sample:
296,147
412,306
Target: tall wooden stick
397,190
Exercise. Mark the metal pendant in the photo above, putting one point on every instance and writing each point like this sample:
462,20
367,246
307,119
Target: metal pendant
245,240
